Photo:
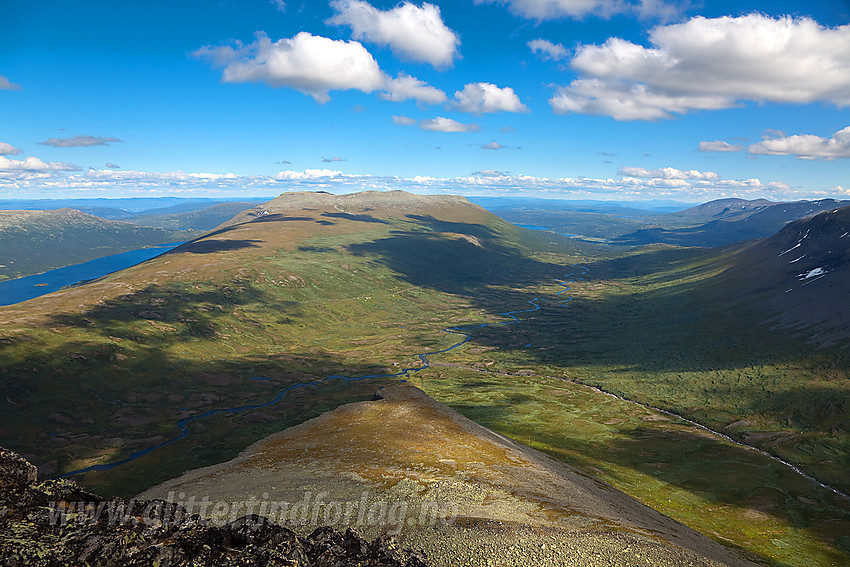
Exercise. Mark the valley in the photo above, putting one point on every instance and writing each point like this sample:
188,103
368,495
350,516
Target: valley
311,301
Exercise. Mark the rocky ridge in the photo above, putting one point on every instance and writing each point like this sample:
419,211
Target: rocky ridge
56,523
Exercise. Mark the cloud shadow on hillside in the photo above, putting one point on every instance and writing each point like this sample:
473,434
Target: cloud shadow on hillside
117,371
210,246
452,257
679,327
277,217
359,218
438,225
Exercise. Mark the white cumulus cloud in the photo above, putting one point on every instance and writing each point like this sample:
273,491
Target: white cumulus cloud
709,64
441,124
480,98
540,10
547,50
35,164
806,146
668,173
313,65
308,175
719,146
624,101
405,87
412,32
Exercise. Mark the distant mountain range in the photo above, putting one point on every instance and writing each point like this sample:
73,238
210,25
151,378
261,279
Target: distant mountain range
726,221
120,207
189,217
712,224
727,208
582,205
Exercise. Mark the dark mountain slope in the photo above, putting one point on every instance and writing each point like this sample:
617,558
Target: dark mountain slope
56,523
801,274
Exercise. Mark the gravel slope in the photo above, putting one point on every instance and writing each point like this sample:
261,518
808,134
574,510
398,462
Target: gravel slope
464,494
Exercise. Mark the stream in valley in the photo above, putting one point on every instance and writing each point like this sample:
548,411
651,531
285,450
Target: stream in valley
464,331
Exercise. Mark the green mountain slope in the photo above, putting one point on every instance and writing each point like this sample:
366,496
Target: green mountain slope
313,300
35,241
297,294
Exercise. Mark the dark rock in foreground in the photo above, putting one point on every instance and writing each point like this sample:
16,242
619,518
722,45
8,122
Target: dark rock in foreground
55,523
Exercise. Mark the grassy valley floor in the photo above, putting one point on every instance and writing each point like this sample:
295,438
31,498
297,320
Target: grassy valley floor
265,317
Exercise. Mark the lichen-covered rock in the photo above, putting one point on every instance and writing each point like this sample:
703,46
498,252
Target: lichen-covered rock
15,471
56,523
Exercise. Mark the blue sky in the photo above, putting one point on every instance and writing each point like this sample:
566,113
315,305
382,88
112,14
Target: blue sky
585,99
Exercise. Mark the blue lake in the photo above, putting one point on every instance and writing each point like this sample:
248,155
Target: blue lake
538,227
22,289
533,226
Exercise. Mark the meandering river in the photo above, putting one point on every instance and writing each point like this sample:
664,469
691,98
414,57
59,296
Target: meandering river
464,331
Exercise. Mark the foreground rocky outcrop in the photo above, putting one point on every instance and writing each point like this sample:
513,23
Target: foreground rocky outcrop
56,522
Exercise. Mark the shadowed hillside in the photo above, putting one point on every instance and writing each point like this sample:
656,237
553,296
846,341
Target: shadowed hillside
802,276
727,209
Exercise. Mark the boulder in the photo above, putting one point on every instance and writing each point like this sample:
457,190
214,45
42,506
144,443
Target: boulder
16,473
